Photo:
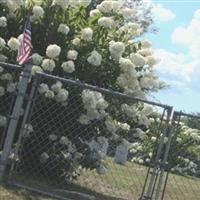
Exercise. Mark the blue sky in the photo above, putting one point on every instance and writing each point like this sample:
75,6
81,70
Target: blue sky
177,45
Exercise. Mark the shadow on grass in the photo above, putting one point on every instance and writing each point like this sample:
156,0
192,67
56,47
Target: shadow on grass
14,193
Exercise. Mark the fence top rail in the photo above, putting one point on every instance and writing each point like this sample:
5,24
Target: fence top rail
180,113
103,90
11,66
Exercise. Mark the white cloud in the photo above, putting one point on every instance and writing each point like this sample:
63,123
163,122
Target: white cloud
189,35
161,13
176,64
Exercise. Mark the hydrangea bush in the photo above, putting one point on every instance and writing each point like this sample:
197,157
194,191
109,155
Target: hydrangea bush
95,43
8,82
185,151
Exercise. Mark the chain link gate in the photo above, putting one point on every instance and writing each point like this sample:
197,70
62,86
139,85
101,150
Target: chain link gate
62,152
9,76
183,170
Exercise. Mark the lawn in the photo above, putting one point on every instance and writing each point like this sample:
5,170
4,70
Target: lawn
120,182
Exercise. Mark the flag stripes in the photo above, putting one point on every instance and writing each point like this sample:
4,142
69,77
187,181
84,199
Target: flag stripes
25,46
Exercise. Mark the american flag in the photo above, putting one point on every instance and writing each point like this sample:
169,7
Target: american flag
25,46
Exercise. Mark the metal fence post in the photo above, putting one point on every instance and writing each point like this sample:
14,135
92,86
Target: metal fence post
166,153
156,167
27,114
14,118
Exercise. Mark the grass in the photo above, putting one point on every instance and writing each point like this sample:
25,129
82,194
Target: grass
11,193
120,181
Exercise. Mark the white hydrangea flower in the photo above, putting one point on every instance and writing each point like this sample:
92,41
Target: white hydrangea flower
64,29
165,140
65,141
126,65
150,154
38,12
1,69
3,121
95,58
56,87
108,6
116,49
153,138
129,82
145,52
85,3
2,43
43,88
37,59
11,87
116,6
53,137
94,113
140,161
151,61
93,99
130,111
44,157
137,59
94,12
111,125
95,106
53,51
105,6
145,44
28,130
3,58
2,91
106,22
20,38
147,82
62,95
84,119
76,42
147,110
123,126
14,5
49,94
134,29
128,12
13,43
3,21
179,140
72,54
68,66
62,3
35,69
6,77
48,65
87,34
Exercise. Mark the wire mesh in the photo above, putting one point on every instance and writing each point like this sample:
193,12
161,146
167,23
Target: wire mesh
9,75
183,178
83,142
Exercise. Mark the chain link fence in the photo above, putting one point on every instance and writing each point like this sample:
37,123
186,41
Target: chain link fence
9,77
183,171
76,141
83,142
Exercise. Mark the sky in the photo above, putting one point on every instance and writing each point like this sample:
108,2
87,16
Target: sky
177,46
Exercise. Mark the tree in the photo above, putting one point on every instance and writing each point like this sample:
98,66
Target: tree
97,44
